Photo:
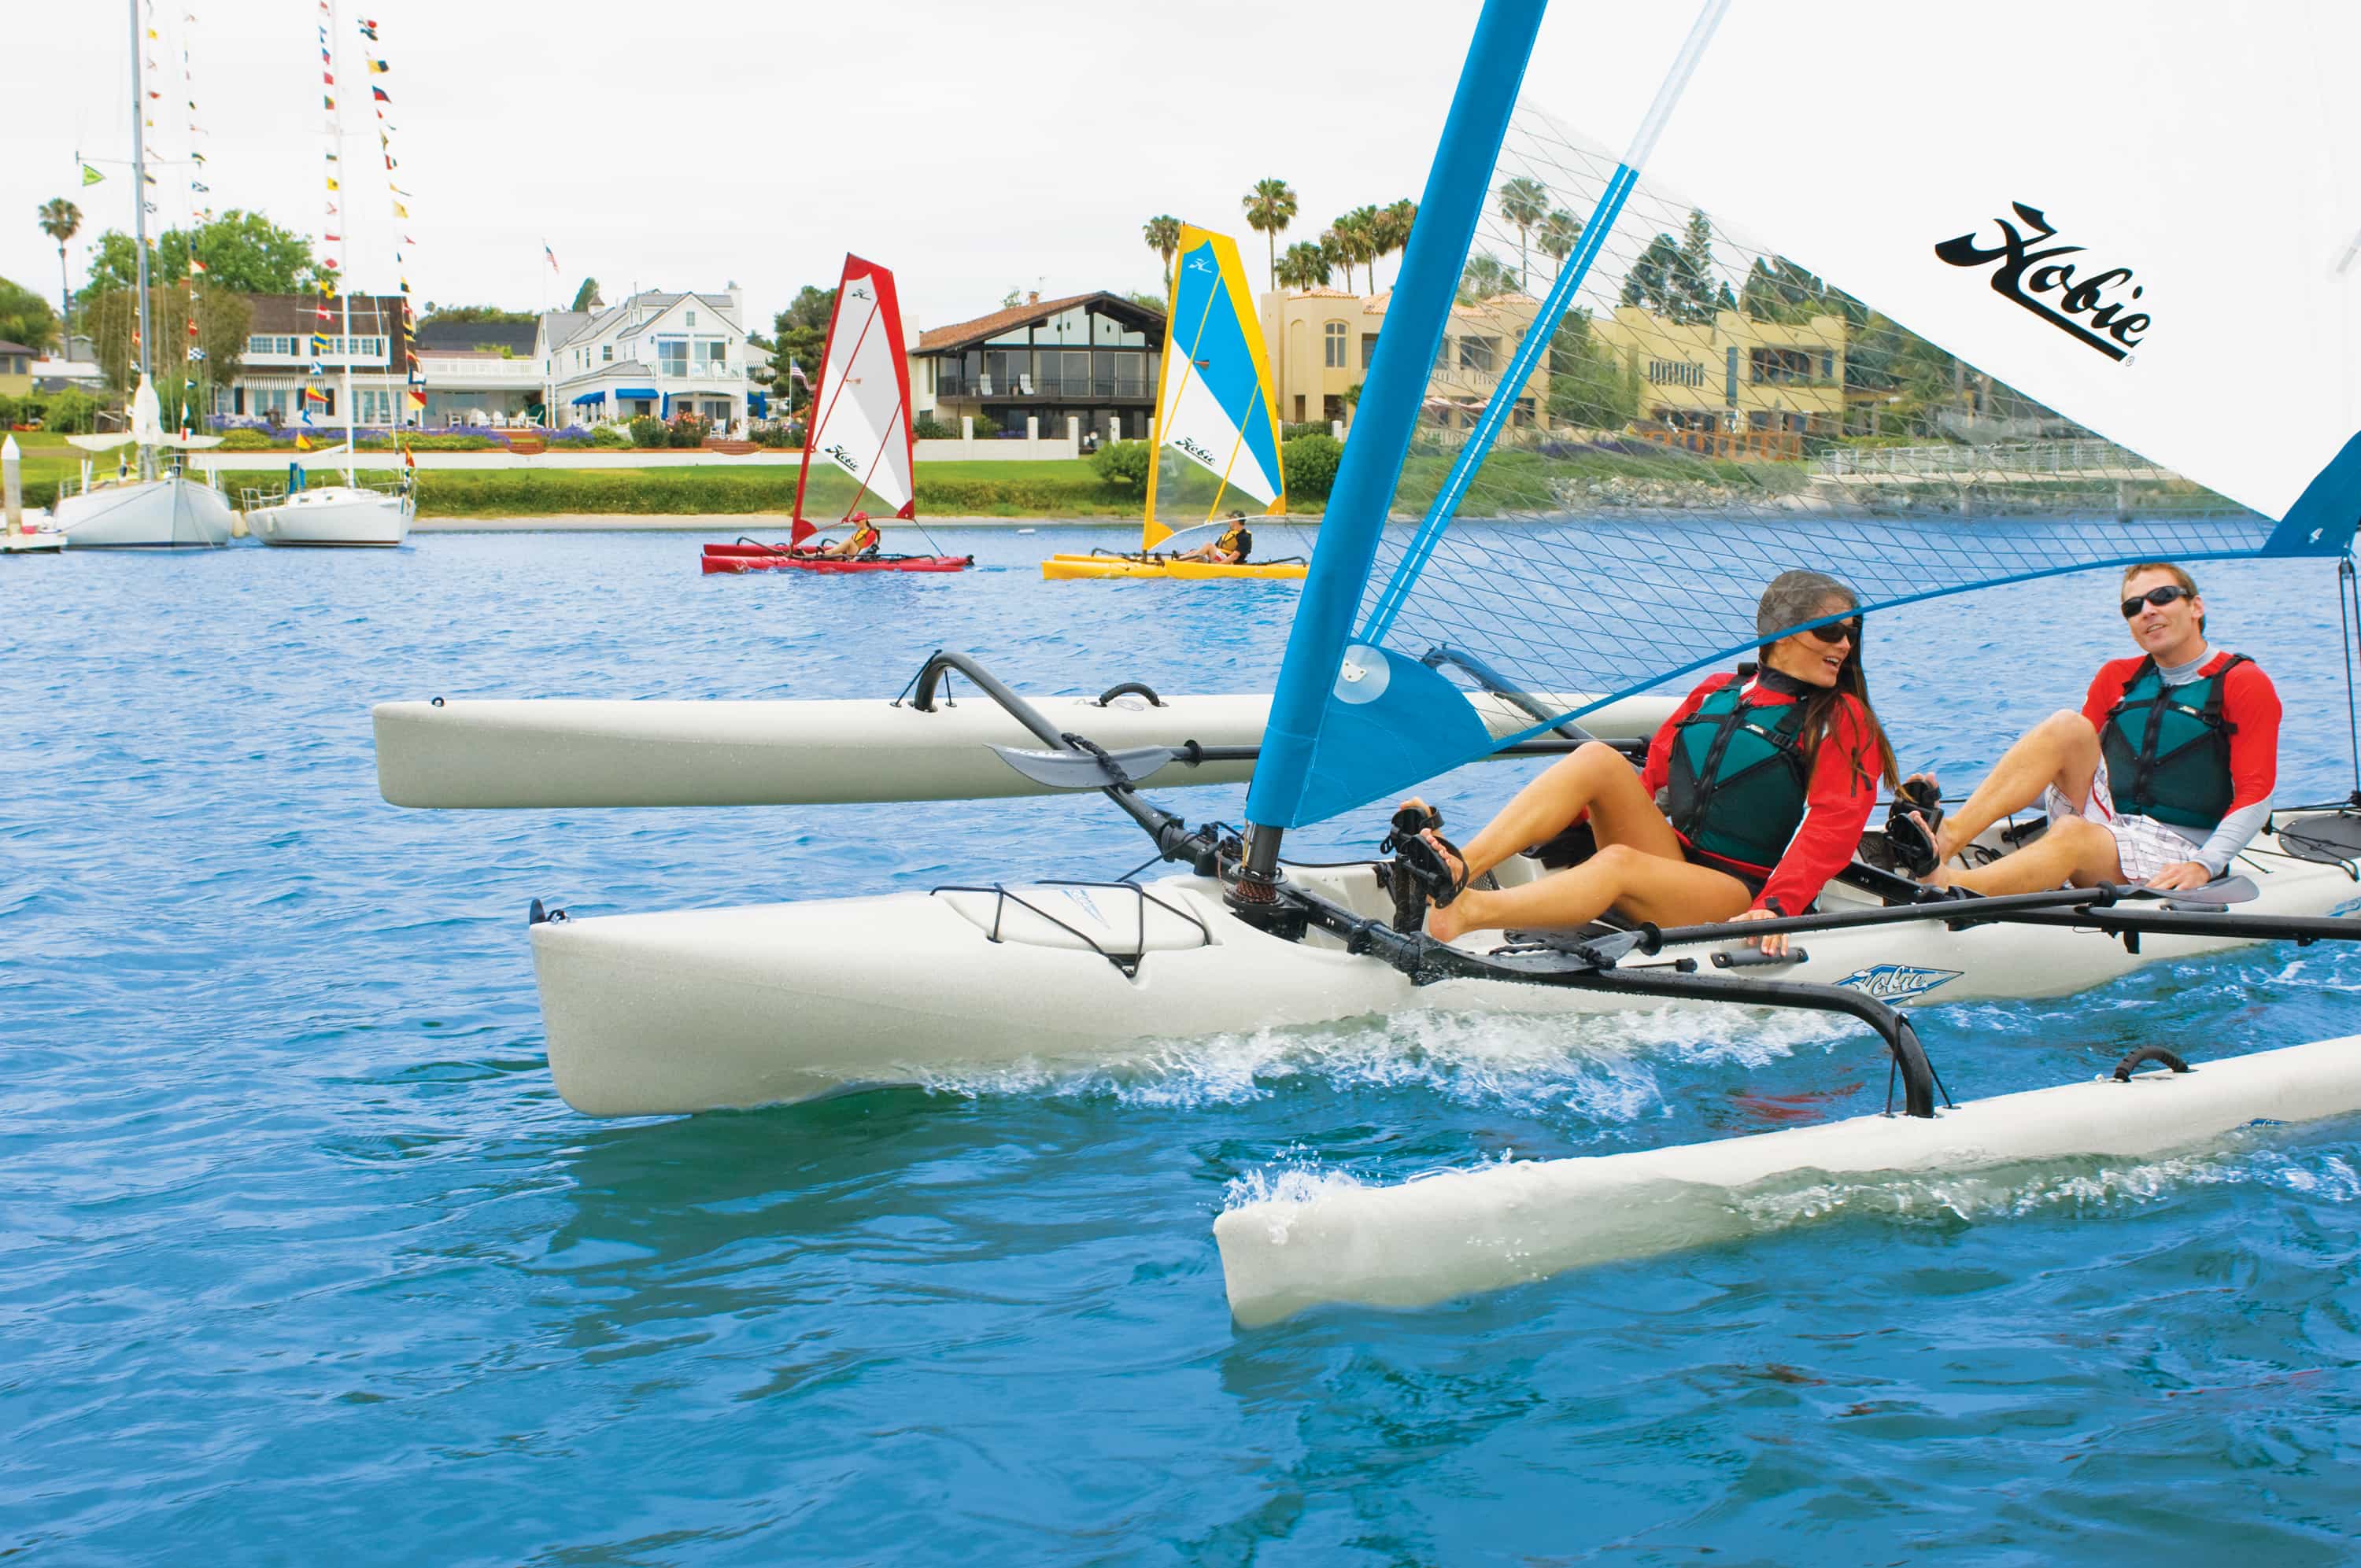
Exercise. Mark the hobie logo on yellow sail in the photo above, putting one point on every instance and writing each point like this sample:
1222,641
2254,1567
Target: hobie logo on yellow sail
2025,272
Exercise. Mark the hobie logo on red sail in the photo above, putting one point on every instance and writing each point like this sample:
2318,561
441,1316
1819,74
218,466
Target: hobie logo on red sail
2042,283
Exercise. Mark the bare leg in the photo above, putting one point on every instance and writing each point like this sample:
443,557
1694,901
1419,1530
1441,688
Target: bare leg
1633,882
1595,778
2075,850
2062,750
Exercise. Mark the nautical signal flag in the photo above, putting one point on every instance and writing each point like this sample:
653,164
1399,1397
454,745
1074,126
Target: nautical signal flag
195,265
380,94
302,442
369,28
399,210
90,176
380,67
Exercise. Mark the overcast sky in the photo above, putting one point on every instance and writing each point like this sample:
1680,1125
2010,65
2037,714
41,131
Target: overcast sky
971,148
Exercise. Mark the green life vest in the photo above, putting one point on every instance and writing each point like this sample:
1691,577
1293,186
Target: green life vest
1739,783
2168,748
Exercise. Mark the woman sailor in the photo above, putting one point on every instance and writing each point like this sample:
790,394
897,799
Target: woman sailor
1754,795
863,540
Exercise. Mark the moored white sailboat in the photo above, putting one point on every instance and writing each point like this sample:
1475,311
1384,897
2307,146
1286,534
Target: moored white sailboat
142,509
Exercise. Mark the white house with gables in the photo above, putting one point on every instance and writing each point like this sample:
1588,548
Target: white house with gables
658,354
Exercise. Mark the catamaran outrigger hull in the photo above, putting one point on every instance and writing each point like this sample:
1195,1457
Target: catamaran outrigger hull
563,753
731,1007
1465,1230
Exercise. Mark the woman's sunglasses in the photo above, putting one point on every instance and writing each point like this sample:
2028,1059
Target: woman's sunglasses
1835,631
2159,597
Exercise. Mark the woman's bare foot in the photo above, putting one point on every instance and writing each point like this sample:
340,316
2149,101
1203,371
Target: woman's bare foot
1443,924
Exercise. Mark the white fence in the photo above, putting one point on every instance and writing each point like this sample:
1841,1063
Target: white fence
2089,459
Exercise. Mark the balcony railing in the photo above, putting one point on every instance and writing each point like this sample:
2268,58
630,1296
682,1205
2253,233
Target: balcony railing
1045,388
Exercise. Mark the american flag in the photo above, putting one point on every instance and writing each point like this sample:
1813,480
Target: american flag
796,374
551,254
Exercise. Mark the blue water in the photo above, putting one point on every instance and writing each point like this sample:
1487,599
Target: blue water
302,1257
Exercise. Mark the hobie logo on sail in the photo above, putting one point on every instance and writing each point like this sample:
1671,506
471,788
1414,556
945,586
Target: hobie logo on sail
1193,450
2024,273
859,292
1896,982
845,459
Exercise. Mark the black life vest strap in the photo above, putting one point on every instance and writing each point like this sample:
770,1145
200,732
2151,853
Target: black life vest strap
1709,780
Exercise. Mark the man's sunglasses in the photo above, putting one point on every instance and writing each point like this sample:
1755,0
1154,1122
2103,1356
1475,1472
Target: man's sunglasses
1835,631
2159,597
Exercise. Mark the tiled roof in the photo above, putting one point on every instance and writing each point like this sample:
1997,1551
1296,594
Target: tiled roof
962,332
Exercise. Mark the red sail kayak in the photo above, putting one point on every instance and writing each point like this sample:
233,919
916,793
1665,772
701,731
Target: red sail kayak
787,561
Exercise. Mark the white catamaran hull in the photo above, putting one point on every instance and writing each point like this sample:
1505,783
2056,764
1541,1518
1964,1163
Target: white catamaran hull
702,1009
1463,1231
175,511
561,753
334,515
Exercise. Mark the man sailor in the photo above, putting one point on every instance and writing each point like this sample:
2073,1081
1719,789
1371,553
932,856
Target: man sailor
1230,550
2164,775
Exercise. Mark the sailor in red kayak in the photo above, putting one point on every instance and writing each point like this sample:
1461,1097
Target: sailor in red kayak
863,540
2164,775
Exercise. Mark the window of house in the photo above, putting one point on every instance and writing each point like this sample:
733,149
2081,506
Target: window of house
1332,408
715,352
1369,349
1785,364
606,354
672,356
1675,373
692,318
1476,352
1333,338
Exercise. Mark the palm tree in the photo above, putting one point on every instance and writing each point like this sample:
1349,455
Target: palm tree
1271,207
1163,235
1560,230
61,220
1303,265
1484,277
1393,229
1334,249
1356,231
1524,202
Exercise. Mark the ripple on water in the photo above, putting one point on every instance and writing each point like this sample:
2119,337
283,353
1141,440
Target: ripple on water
302,1246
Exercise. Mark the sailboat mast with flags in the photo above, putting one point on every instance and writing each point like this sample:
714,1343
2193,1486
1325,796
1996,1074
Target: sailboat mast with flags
1472,599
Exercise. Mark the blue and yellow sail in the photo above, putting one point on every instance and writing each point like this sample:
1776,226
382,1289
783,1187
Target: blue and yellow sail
1216,406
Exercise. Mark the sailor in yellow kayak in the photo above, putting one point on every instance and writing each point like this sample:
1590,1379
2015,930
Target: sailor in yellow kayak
1216,441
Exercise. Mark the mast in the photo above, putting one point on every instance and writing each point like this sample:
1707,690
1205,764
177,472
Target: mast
1424,290
345,261
140,211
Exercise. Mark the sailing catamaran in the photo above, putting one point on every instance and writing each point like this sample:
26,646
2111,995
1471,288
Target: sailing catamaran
146,510
1216,442
1401,665
860,425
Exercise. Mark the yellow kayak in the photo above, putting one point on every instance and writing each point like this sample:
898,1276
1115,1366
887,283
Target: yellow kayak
1077,568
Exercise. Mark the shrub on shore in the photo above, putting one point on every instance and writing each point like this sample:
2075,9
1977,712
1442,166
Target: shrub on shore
1124,465
1310,462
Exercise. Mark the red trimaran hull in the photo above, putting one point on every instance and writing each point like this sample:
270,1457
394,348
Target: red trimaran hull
867,434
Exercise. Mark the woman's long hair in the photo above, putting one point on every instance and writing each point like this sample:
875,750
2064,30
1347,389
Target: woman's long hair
1821,705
